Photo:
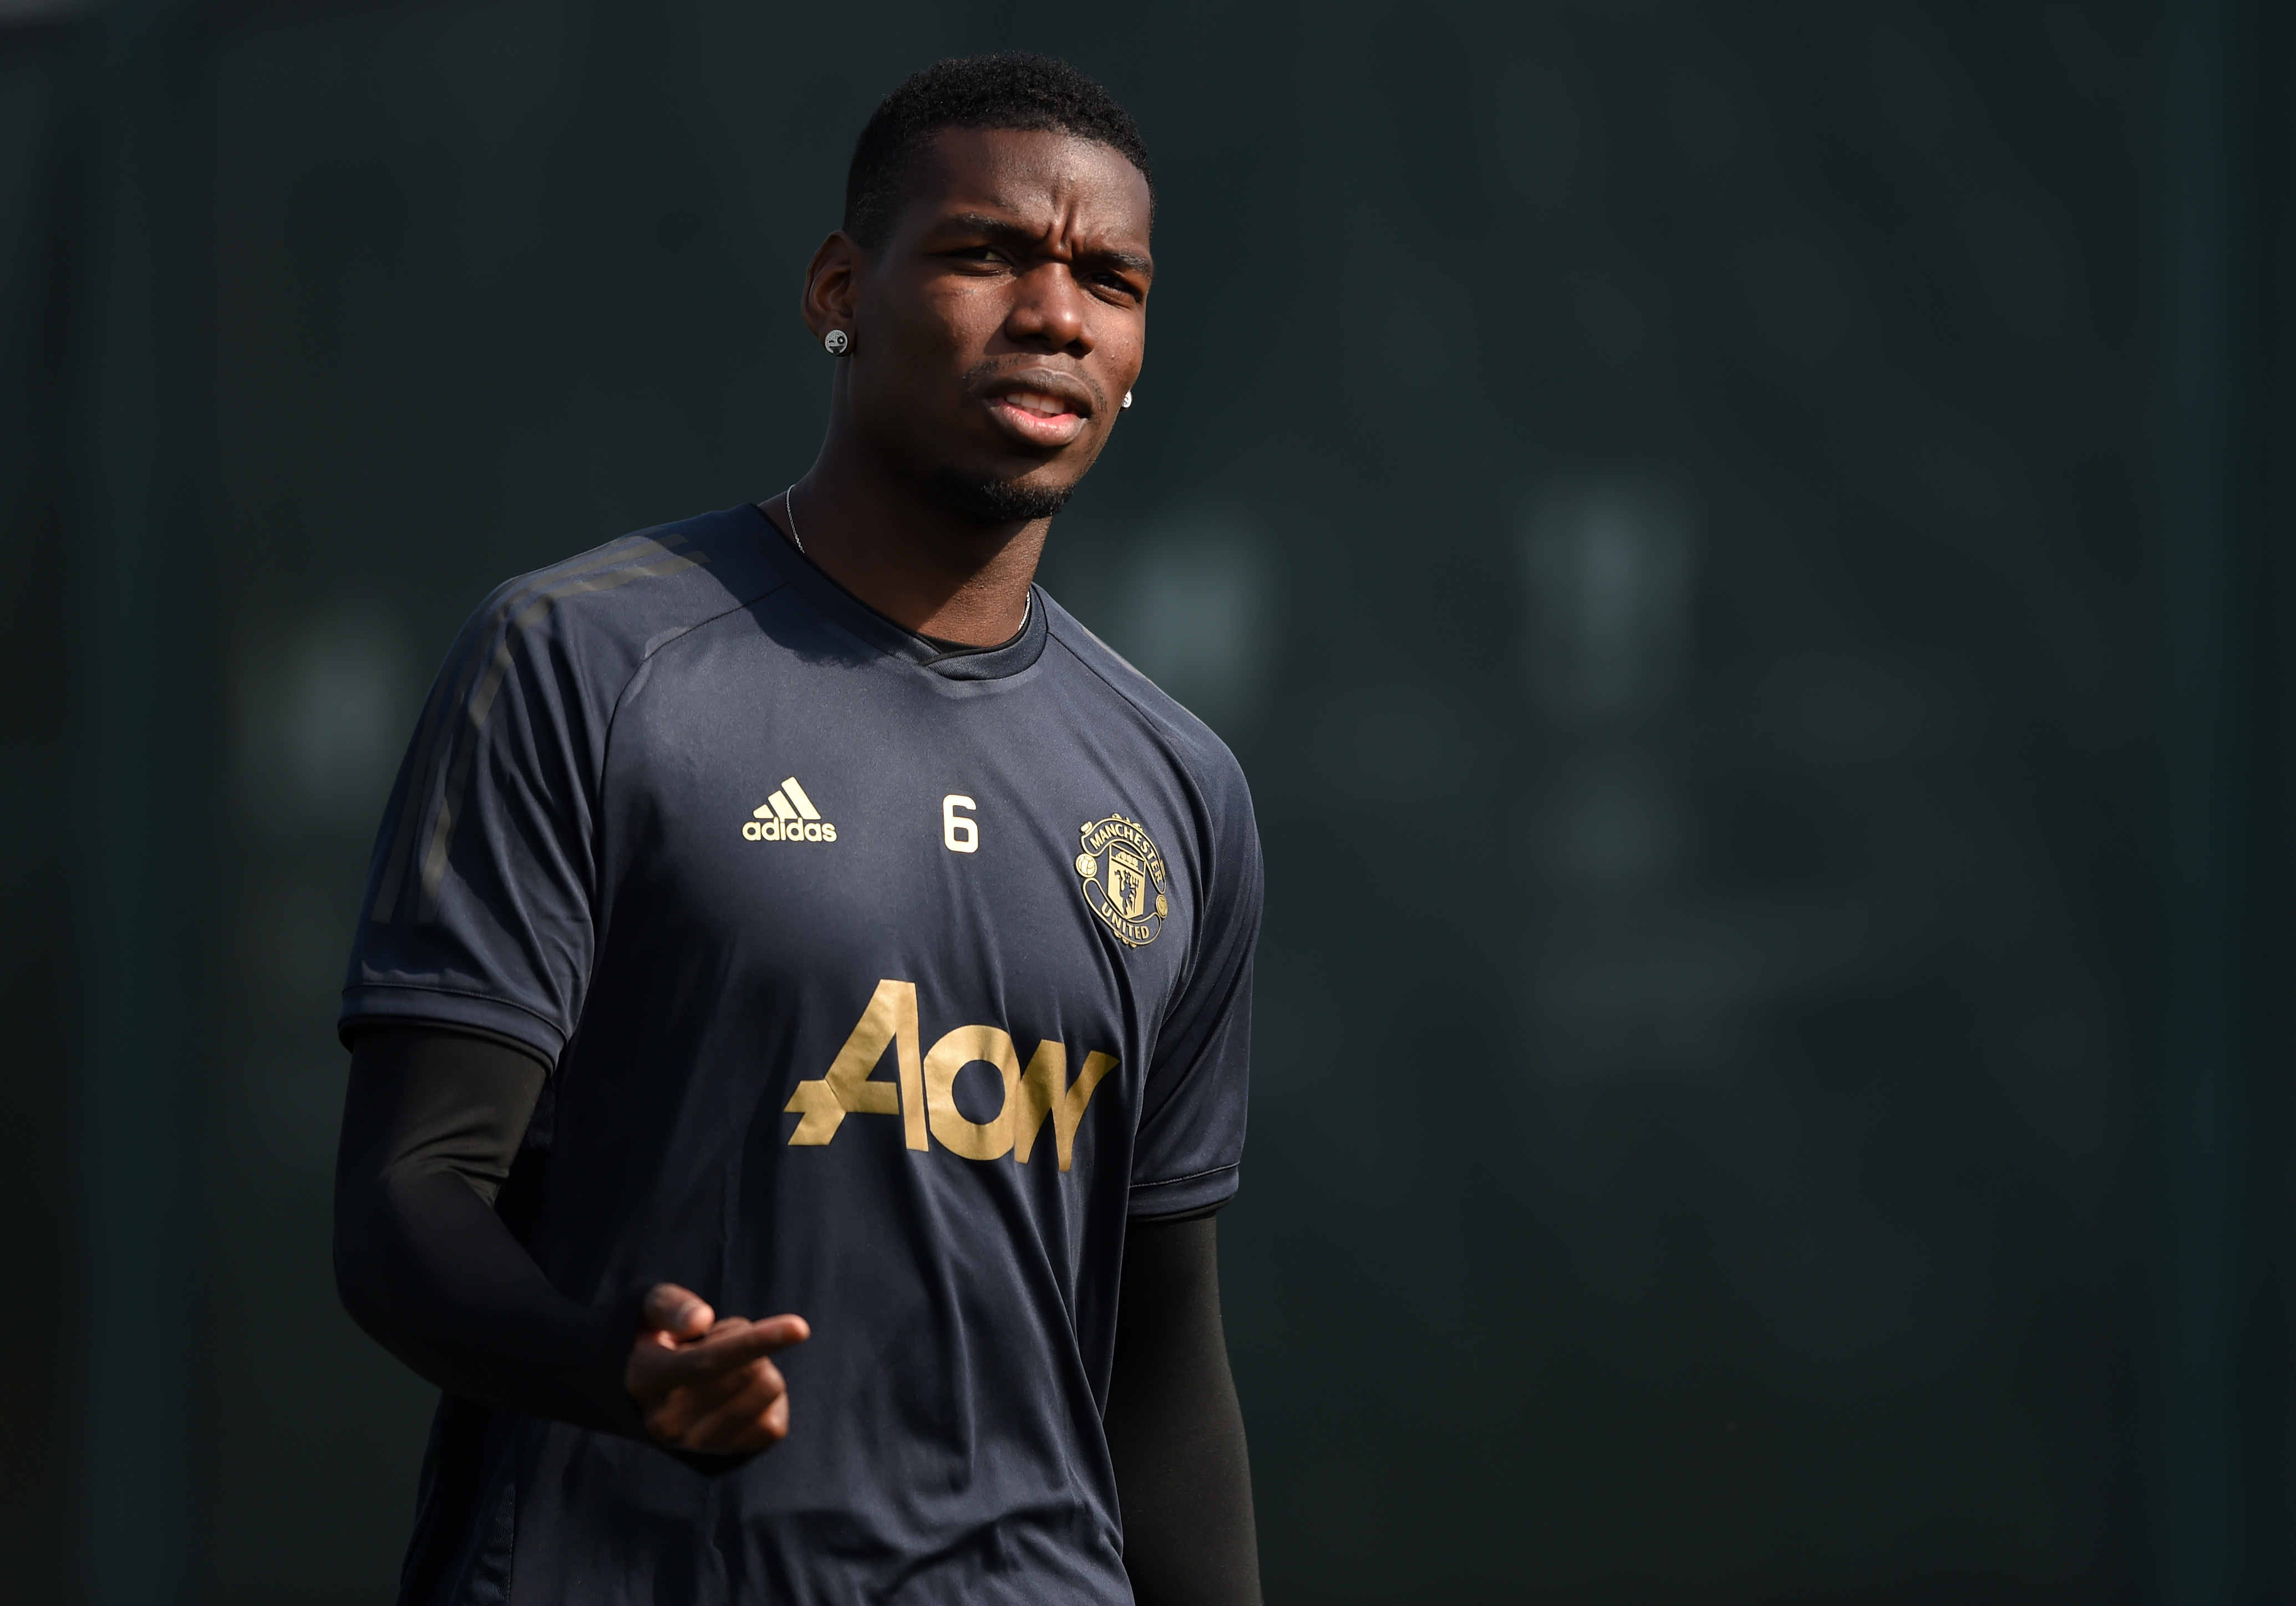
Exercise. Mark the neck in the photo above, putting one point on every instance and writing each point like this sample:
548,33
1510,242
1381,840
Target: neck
899,549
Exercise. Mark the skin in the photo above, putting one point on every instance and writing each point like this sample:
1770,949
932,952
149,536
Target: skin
995,331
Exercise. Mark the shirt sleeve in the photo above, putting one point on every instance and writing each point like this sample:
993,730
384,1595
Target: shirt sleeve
1190,1144
478,910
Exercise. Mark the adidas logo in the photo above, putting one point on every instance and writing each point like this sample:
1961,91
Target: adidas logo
789,816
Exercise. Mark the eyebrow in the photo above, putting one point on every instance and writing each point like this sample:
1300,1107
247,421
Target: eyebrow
1005,232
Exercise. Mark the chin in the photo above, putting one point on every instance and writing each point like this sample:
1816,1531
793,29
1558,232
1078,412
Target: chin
994,501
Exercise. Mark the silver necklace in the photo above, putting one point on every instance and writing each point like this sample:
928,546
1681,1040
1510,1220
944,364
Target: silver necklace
789,511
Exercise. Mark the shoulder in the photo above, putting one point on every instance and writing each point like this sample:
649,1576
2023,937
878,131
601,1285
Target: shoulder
609,609
1209,766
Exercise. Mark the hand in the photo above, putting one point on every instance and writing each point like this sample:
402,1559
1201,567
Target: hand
705,1384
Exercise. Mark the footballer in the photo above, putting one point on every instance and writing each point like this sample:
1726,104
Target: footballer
799,1011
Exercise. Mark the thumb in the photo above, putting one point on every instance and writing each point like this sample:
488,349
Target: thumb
679,1312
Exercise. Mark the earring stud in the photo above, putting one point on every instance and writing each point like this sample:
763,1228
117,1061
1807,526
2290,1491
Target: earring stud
835,342
1128,399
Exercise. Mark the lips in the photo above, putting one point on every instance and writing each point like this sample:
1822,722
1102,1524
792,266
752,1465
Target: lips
1042,415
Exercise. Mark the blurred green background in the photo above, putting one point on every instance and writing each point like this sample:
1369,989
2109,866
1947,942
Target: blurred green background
1737,545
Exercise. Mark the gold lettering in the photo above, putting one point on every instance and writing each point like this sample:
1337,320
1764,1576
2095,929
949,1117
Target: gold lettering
925,1095
824,1102
1045,1090
974,1140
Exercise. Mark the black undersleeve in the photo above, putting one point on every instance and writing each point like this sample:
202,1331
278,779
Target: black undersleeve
1175,1430
431,1124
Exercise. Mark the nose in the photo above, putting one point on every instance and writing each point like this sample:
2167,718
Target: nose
1049,313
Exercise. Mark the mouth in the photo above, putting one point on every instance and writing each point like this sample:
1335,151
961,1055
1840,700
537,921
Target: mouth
1040,414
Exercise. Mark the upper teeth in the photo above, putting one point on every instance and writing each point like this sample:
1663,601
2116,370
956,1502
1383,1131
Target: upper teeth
1043,405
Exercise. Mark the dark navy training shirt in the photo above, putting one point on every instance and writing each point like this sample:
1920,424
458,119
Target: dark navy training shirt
882,986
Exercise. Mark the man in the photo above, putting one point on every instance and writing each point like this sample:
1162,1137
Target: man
793,910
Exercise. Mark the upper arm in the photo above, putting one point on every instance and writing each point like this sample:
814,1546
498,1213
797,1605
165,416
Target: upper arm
479,906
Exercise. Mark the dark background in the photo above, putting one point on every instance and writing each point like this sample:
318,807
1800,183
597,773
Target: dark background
1739,546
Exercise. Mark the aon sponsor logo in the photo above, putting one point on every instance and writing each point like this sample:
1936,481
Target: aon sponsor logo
788,815
924,1095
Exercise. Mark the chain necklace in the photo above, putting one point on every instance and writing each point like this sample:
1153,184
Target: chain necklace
789,511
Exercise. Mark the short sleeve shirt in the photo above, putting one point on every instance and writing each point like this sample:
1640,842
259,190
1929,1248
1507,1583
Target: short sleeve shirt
881,985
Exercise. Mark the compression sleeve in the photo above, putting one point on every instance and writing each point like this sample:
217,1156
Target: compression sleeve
1175,1428
422,1262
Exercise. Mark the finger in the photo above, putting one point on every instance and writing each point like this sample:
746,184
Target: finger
755,1416
774,1332
743,1436
678,1416
767,1430
659,1368
790,1329
699,1401
669,1413
728,1347
679,1312
721,1327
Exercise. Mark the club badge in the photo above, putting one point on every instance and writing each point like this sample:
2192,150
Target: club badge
1123,877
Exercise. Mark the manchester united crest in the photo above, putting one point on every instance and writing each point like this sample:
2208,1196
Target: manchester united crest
1123,876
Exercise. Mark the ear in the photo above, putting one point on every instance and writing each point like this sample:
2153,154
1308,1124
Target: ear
833,285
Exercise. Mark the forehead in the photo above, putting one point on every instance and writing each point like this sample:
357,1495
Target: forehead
1044,178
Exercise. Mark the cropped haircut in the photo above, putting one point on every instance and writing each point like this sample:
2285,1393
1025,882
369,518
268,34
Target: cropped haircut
1007,90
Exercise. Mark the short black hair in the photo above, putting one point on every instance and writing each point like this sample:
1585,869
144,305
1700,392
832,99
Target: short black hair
1006,90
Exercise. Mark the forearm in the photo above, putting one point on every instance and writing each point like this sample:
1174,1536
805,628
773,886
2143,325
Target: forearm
425,1265
1174,1427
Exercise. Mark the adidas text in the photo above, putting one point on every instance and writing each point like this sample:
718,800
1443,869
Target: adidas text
788,815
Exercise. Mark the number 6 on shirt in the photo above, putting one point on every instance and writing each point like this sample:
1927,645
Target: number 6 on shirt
959,834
